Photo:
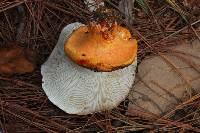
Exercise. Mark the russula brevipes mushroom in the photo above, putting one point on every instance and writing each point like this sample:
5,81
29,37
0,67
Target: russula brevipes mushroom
78,90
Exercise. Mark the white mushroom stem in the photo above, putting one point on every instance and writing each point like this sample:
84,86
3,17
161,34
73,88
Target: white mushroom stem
93,4
78,90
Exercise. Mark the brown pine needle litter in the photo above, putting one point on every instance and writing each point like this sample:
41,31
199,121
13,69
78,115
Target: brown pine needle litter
36,24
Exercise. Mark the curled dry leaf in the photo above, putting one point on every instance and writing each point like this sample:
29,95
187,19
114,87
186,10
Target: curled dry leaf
15,59
164,81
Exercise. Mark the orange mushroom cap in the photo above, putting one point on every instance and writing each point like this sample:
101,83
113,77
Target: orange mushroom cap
100,47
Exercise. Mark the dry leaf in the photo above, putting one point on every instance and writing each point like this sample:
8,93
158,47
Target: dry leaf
160,84
15,59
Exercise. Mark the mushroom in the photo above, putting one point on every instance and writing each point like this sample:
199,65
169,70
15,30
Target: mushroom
68,80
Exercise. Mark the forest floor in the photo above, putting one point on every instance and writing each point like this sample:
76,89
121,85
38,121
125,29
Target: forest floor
36,24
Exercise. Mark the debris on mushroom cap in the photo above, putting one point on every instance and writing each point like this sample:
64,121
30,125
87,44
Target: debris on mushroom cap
78,90
101,47
15,59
